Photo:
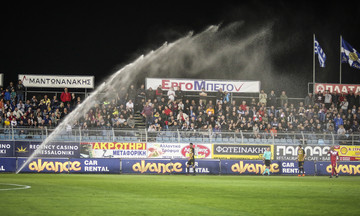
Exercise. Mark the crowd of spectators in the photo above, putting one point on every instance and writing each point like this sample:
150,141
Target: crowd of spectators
173,110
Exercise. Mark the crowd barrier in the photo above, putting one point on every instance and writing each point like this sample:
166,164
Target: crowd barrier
171,166
154,150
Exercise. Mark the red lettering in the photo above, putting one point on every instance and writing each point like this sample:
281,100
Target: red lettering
189,86
164,84
174,84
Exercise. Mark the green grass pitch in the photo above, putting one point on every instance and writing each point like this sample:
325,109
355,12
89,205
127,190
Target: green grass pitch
76,194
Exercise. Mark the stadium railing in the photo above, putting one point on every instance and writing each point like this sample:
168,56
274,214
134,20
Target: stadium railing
178,136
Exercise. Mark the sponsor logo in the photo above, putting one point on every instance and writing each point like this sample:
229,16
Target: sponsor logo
201,151
345,168
143,167
313,153
254,168
54,166
119,146
21,149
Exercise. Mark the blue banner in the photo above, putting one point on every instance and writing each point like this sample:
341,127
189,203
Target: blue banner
240,167
201,166
53,149
100,165
49,165
7,149
292,168
343,168
7,165
160,166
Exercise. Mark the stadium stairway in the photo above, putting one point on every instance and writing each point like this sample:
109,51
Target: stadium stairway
139,123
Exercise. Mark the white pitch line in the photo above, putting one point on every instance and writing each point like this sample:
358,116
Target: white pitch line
18,187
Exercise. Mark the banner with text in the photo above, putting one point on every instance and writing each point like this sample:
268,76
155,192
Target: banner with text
239,167
313,153
112,150
240,151
343,168
49,165
57,81
99,165
53,149
235,86
168,166
291,168
338,88
177,150
7,148
348,153
7,165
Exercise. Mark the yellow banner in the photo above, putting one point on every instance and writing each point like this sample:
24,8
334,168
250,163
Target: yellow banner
348,153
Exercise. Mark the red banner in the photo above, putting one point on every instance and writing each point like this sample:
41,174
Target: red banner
338,88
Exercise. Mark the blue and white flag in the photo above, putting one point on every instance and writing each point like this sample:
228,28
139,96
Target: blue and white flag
349,55
320,52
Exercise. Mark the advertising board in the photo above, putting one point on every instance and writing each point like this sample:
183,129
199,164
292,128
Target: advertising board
7,148
57,81
240,151
248,167
235,86
7,164
313,153
53,149
343,168
112,150
177,150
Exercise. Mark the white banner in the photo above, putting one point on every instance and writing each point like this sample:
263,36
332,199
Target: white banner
1,79
177,150
57,81
236,86
338,88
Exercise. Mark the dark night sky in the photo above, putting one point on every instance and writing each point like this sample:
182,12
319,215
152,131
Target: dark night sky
92,39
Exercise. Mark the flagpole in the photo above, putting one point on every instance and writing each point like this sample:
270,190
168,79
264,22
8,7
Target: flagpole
313,63
340,56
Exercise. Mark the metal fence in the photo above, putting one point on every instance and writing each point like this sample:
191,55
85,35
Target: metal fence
177,136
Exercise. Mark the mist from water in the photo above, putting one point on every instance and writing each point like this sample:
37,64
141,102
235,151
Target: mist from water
208,54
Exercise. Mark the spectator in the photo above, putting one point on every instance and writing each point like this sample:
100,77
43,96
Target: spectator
263,97
131,121
344,105
7,95
219,96
203,96
179,94
20,91
65,96
309,100
13,95
272,99
171,94
11,87
148,114
150,94
283,98
141,94
159,93
327,99
132,93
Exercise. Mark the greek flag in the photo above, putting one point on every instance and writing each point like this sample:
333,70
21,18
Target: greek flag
349,55
320,52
